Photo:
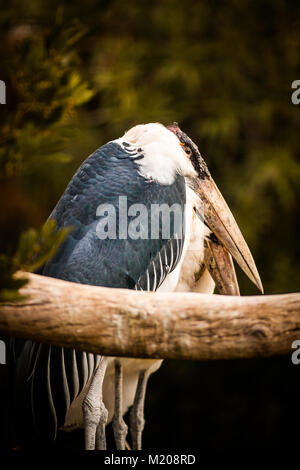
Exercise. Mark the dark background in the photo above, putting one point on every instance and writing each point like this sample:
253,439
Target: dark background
82,73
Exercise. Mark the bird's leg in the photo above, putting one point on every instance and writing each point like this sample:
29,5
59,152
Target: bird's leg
94,412
119,426
136,417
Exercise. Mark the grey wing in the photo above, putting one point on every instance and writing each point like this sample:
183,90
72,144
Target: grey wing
52,377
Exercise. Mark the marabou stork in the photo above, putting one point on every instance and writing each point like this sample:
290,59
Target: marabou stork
151,165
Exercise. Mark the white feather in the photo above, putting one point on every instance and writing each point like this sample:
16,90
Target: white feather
163,154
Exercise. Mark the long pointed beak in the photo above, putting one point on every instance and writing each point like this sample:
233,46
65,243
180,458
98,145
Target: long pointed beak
220,265
220,220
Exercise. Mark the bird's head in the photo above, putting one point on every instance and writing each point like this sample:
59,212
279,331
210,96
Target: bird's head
216,214
191,150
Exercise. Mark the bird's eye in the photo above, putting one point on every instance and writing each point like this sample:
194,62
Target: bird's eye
188,150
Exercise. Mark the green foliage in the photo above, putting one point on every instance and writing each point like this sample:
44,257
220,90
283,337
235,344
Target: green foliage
34,250
46,88
9,285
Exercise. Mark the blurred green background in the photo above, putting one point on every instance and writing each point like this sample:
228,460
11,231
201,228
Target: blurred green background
82,73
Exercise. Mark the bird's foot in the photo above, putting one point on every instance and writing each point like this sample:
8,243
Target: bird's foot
119,426
120,432
137,424
136,417
94,412
100,442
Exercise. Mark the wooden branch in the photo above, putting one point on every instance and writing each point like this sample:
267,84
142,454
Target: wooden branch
119,322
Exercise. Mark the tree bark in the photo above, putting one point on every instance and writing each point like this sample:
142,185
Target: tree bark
120,322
